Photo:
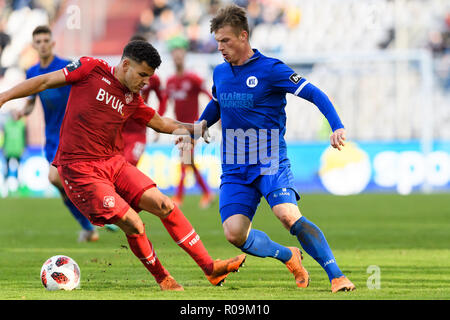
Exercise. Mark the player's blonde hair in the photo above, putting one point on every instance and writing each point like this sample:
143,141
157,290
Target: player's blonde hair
233,16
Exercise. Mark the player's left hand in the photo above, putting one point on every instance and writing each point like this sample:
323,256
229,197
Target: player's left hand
205,132
207,136
337,139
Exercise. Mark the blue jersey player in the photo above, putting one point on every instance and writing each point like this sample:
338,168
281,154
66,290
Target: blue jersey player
54,104
249,96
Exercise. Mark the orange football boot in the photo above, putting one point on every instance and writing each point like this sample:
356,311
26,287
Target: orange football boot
222,268
170,284
342,284
294,264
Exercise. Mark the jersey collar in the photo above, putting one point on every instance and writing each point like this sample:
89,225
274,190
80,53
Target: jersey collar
255,56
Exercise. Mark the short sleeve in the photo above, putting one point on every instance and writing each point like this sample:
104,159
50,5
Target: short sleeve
78,70
286,80
143,114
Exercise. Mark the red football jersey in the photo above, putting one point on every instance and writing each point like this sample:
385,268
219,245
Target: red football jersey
97,108
184,91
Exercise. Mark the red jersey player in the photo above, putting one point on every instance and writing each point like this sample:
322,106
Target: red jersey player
184,88
96,176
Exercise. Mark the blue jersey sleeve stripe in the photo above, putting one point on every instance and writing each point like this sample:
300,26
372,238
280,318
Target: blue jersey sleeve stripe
300,88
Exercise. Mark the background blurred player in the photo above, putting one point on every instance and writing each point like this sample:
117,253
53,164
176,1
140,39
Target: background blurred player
184,88
134,133
90,161
13,148
249,94
54,103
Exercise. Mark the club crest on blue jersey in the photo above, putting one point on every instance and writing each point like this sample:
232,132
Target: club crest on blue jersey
252,82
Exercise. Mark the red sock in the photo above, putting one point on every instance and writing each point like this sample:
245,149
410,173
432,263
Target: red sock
142,248
200,180
182,232
180,190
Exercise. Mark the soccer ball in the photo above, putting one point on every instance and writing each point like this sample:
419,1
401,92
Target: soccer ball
60,273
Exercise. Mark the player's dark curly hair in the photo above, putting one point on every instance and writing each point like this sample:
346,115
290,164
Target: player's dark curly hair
231,15
139,51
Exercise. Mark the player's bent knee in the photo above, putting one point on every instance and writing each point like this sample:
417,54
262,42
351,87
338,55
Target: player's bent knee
166,207
156,203
131,223
287,213
235,238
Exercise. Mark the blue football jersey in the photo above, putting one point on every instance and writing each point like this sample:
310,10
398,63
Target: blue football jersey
54,103
250,100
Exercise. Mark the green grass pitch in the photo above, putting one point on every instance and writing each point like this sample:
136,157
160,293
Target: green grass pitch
406,238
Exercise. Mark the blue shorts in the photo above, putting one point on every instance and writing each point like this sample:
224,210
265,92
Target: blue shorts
244,198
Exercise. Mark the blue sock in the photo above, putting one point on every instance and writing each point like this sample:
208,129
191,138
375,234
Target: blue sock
314,243
82,220
259,244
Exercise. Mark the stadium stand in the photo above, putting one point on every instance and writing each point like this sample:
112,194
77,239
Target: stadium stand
377,99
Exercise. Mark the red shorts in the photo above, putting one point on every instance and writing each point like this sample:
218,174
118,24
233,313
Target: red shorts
103,190
134,147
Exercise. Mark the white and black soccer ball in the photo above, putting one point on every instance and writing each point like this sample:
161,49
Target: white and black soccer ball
60,273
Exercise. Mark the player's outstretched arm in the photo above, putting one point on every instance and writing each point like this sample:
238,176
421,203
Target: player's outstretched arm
314,95
172,126
34,85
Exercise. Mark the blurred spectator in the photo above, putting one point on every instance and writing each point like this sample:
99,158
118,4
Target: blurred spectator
4,41
159,6
254,12
145,25
168,25
13,148
204,41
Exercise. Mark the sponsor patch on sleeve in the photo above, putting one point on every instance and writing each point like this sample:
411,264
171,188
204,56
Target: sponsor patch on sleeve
73,65
295,78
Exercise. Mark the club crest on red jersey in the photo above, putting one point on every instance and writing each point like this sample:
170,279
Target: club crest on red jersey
128,97
109,202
